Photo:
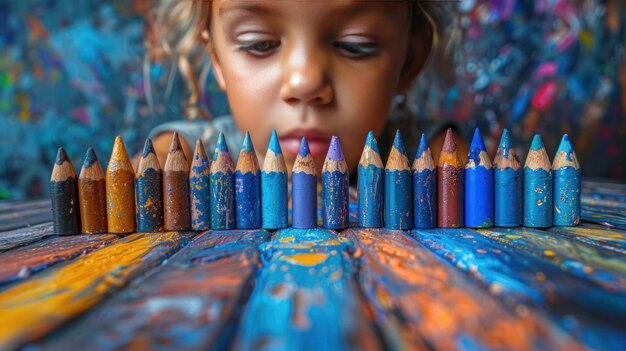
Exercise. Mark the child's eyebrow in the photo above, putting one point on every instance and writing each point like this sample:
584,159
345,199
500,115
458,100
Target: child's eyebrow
244,6
347,8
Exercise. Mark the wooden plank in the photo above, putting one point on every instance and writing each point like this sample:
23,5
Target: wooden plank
423,303
597,235
22,236
22,262
306,297
603,267
189,304
604,219
19,205
585,310
35,307
14,220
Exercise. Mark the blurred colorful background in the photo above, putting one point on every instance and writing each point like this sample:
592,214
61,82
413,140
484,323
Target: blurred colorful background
77,73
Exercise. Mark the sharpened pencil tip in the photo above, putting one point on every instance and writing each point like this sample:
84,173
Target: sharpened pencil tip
505,140
175,145
147,148
449,144
274,145
90,158
61,156
335,153
304,147
398,144
247,143
537,143
477,141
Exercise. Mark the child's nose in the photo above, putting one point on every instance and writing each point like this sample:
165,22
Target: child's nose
306,79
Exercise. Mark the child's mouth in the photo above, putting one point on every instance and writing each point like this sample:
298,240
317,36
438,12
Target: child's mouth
318,142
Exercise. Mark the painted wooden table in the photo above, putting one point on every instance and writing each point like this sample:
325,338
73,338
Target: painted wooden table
495,289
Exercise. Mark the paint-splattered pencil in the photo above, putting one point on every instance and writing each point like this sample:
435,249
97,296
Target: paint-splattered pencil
450,184
304,189
478,185
199,200
92,195
176,189
398,187
371,178
424,187
537,202
566,185
335,188
120,189
64,196
274,193
222,187
248,187
149,191
507,184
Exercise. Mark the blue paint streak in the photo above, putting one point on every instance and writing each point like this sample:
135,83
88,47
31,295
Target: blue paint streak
566,197
424,199
371,182
149,196
248,200
298,306
508,197
275,200
398,199
538,205
304,199
335,200
222,190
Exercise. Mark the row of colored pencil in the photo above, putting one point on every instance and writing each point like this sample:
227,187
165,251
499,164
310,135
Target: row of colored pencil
215,194
473,194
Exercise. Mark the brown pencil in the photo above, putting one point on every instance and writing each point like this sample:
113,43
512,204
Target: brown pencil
92,195
176,188
120,189
450,185
64,196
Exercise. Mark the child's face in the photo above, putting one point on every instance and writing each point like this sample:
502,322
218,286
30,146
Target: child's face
310,68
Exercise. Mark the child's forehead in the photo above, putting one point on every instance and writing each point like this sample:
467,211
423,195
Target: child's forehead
284,6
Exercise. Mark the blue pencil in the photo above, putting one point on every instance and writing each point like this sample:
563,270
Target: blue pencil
304,189
424,187
371,177
537,186
274,194
248,187
199,178
478,185
507,184
398,188
149,191
335,188
566,185
222,188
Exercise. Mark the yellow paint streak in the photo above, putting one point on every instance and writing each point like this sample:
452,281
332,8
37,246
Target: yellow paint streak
34,307
307,259
549,253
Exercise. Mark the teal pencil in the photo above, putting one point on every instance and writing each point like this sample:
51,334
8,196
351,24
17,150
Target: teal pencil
199,197
222,188
538,205
371,180
507,185
398,188
566,185
274,195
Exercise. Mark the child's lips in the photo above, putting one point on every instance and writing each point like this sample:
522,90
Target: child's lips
318,142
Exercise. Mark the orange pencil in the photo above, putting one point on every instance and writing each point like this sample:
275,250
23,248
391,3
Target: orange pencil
120,190
92,195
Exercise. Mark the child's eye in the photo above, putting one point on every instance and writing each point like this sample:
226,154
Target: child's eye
258,48
357,49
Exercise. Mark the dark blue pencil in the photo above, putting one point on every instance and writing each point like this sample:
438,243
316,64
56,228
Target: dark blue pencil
274,194
199,199
304,189
507,184
149,191
222,187
248,187
424,187
398,188
478,185
566,185
335,188
538,204
371,178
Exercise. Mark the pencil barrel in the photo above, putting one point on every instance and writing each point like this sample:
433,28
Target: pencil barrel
566,197
538,203
335,200
478,197
508,197
275,200
149,194
65,206
120,191
304,200
398,199
450,197
371,180
424,199
199,202
222,200
248,200
92,199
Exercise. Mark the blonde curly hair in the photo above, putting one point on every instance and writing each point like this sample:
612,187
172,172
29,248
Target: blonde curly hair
179,30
